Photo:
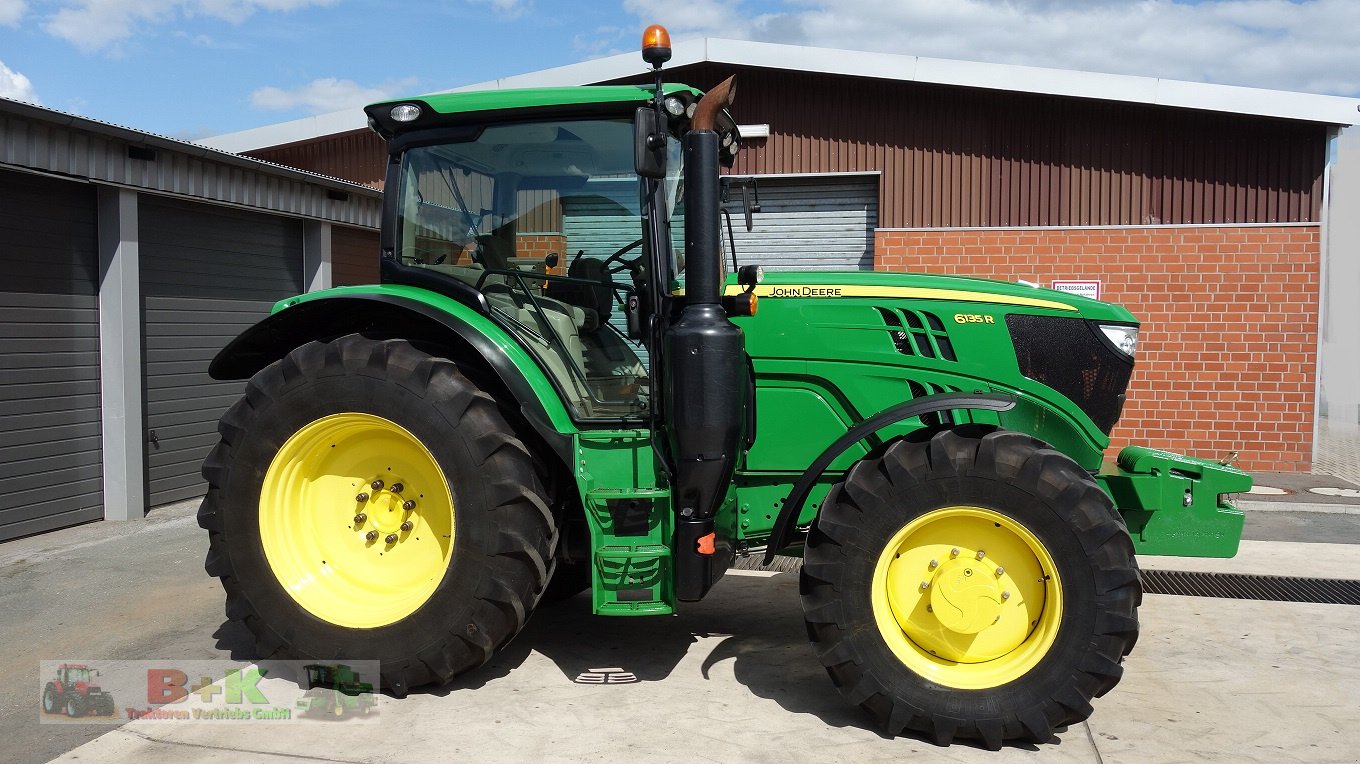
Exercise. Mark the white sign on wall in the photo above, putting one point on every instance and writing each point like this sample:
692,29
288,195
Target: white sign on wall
1084,288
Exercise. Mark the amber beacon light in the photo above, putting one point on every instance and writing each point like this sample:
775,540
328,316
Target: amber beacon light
656,45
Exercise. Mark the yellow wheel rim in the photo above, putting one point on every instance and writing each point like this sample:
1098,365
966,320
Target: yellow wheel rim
967,597
356,520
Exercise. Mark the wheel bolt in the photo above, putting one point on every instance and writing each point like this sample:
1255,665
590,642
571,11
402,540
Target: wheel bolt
981,554
934,564
925,585
1000,571
361,498
376,485
1005,595
954,552
396,487
371,535
408,525
930,608
360,518
408,505
391,538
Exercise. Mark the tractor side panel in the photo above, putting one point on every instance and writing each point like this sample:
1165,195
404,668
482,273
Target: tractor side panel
825,363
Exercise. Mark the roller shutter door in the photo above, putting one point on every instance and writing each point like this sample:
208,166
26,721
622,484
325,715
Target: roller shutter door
50,452
602,221
824,223
208,273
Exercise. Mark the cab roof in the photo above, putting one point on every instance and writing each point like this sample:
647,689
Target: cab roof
486,103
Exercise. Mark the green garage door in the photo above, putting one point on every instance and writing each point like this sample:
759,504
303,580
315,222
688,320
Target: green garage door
207,274
50,453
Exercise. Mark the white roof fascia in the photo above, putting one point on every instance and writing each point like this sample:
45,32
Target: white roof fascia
1284,104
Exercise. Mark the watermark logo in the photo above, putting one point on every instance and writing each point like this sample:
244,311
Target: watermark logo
115,692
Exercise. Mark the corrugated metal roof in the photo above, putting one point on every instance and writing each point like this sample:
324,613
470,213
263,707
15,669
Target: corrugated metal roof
154,140
1308,107
37,139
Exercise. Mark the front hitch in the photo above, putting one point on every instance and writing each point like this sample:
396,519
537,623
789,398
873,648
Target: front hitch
1176,505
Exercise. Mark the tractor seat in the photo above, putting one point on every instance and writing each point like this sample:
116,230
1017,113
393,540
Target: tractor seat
599,299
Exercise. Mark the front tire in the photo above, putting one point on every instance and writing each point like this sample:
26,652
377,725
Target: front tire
368,501
976,584
51,701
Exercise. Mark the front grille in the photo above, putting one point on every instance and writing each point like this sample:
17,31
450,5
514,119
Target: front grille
1068,355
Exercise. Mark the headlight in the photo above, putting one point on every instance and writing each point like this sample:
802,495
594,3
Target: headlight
1125,338
407,112
674,106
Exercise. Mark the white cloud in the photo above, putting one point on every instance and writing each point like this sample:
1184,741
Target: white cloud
11,11
97,24
15,86
325,95
1308,45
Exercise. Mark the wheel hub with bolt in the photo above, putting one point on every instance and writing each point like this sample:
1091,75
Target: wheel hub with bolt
356,519
967,596
386,511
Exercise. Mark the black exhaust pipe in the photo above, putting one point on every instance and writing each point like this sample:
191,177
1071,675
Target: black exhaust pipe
705,366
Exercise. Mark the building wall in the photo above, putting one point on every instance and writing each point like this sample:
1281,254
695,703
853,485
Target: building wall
955,157
1340,371
1228,353
359,155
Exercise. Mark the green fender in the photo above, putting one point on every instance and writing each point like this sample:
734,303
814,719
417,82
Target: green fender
410,313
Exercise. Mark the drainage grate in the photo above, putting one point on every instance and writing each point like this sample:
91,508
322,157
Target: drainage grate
1237,586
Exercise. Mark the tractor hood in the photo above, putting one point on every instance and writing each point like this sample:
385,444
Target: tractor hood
923,286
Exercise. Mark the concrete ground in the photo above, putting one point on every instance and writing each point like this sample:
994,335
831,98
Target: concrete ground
728,679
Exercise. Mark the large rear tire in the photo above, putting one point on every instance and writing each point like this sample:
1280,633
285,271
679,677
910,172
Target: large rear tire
368,501
975,584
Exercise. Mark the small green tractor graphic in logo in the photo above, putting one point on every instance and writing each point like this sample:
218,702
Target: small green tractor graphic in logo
335,691
73,692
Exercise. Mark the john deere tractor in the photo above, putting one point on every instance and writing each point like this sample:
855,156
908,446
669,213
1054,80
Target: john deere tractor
564,381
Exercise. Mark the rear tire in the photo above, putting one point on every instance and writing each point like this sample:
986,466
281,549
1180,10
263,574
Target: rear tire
309,579
900,590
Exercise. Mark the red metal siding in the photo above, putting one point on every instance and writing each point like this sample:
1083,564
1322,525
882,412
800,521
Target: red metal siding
359,155
354,256
961,157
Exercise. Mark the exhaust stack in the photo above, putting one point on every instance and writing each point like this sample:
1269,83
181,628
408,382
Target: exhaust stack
705,368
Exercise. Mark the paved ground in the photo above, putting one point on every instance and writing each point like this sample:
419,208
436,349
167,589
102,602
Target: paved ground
730,679
1338,449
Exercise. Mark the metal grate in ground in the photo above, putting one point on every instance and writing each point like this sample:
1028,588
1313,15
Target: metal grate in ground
1243,587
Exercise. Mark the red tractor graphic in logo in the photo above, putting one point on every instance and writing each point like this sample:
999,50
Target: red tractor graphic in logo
73,692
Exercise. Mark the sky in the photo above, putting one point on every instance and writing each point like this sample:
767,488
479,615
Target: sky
196,68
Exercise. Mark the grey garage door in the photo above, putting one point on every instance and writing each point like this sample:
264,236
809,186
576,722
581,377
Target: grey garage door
809,223
207,274
50,471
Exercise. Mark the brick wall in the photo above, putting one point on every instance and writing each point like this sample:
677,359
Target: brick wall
1227,360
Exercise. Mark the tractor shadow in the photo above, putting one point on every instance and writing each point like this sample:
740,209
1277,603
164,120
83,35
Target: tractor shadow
750,626
753,623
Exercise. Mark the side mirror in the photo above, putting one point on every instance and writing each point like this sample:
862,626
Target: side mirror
649,143
633,314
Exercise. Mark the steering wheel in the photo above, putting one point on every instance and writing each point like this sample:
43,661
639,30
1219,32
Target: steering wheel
618,257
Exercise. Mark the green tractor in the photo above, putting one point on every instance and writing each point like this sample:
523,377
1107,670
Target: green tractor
335,691
560,384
